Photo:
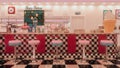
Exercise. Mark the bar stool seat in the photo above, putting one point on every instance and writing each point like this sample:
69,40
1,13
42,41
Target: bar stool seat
14,43
106,43
33,43
84,43
56,44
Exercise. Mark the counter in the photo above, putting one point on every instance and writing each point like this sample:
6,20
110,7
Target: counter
70,48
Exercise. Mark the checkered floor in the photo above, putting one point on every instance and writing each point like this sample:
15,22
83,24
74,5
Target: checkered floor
60,64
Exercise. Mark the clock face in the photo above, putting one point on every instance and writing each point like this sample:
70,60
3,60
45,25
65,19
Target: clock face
11,10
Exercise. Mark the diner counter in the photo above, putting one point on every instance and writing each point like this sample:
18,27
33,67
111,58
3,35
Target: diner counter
70,48
55,33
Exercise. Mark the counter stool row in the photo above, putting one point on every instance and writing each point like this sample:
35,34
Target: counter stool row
58,43
16,43
102,42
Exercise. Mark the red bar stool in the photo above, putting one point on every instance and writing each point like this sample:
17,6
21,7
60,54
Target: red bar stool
106,43
56,44
33,43
15,43
84,43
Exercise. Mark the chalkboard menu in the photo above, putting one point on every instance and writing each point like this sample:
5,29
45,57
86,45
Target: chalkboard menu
34,16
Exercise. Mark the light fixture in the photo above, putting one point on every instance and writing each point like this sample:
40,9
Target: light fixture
47,3
12,3
65,3
38,3
30,3
83,3
56,3
75,3
4,3
92,3
21,3
103,3
112,3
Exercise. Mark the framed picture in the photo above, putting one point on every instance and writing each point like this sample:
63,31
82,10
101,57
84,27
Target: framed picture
105,12
117,13
34,16
11,10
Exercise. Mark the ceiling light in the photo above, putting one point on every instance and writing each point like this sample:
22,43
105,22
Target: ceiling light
30,3
4,3
103,3
93,3
12,3
83,3
65,3
112,3
21,3
39,3
75,3
56,3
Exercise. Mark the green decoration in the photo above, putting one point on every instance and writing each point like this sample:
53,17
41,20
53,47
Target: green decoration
30,15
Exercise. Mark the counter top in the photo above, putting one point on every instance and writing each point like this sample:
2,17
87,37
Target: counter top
55,33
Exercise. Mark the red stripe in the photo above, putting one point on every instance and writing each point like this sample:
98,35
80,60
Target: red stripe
71,43
101,48
41,45
8,49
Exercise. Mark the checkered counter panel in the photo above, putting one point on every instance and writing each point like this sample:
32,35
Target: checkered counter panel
25,50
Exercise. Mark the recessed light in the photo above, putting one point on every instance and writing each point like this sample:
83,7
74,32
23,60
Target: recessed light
56,3
39,3
12,3
21,3
112,3
93,3
65,3
103,3
30,3
47,3
83,3
75,3
4,3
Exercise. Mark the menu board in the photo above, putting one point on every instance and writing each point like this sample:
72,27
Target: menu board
31,16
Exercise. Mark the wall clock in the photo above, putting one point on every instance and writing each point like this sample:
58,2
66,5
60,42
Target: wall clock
11,10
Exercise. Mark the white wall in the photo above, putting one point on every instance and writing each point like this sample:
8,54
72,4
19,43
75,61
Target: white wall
93,14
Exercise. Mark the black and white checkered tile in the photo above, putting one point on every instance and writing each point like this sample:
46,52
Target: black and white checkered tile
60,64
25,50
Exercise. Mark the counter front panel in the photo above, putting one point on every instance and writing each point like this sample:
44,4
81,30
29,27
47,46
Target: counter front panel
70,48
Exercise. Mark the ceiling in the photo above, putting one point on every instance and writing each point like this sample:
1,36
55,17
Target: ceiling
59,0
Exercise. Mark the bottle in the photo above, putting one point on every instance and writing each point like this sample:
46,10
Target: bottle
33,30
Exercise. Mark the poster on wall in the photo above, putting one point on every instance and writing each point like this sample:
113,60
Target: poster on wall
11,10
106,13
117,13
31,16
